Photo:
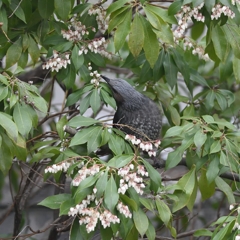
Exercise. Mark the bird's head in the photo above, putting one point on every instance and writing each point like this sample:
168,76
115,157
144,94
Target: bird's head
124,93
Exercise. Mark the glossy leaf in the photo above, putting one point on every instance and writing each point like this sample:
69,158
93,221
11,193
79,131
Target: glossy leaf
9,126
141,221
62,8
224,187
22,118
55,201
163,211
111,195
95,101
122,31
136,36
120,161
81,121
81,136
13,53
206,188
151,44
45,8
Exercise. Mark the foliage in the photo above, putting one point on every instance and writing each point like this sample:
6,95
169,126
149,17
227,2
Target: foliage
184,55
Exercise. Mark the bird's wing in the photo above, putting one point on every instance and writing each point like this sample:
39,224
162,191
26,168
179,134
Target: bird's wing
144,122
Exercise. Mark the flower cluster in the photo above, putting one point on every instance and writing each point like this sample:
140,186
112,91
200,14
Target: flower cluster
102,19
124,210
147,146
196,49
90,215
95,76
97,45
107,218
84,172
62,166
219,9
76,31
184,16
57,61
131,178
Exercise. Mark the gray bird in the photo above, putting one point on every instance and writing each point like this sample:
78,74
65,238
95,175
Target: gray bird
140,116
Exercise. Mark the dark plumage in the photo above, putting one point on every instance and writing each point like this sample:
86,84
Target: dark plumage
139,113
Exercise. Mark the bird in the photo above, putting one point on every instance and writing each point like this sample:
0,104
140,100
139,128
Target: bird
136,114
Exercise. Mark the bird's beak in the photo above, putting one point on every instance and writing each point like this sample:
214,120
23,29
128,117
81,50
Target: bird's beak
105,78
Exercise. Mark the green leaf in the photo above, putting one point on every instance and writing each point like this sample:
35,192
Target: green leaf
101,184
111,195
136,36
194,76
22,119
107,98
65,206
77,59
219,42
236,68
45,8
96,58
208,119
170,70
117,18
206,188
84,105
122,30
202,232
224,232
174,115
17,10
81,136
161,13
70,77
151,44
210,98
60,126
9,126
163,211
87,182
232,35
62,8
114,144
187,182
3,92
156,180
6,158
215,147
76,231
94,139
151,232
115,6
4,20
81,121
33,50
129,202
224,187
13,53
74,97
95,101
175,7
120,160
200,138
55,201
174,158
141,221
